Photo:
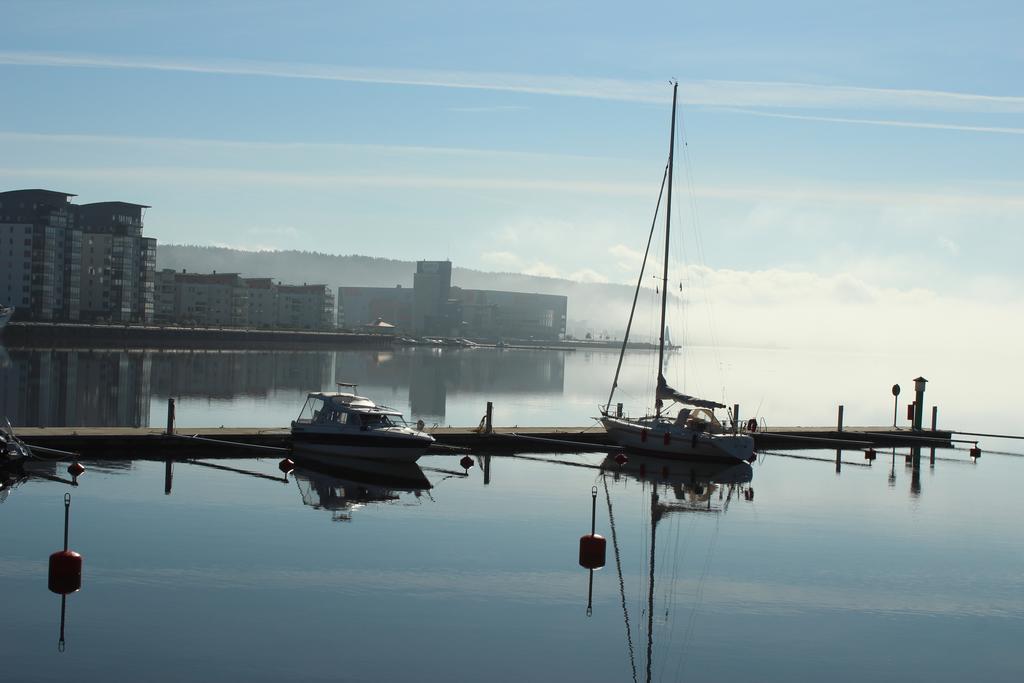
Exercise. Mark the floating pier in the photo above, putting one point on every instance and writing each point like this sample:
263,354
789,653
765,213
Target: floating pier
155,442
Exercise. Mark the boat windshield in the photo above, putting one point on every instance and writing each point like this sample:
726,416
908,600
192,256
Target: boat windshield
311,411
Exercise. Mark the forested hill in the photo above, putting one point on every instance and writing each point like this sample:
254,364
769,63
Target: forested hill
592,307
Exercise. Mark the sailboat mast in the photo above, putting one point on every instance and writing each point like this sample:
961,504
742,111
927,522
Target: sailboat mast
664,271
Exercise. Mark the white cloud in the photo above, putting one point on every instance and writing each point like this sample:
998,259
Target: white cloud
949,246
587,275
626,258
541,269
707,92
501,260
883,122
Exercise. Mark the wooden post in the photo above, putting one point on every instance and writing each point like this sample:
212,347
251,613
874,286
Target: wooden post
488,424
839,425
735,418
170,416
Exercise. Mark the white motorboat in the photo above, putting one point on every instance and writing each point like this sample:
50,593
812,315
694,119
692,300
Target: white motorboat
693,431
346,424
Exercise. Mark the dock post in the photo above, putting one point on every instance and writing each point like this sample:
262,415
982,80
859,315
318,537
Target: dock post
935,421
618,410
839,425
170,417
735,418
488,424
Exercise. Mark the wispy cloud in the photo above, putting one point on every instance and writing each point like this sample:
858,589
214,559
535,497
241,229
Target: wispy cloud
266,145
806,193
881,122
704,92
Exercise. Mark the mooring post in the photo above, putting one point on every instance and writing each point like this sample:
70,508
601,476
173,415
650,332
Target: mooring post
488,424
839,424
170,416
735,418
935,421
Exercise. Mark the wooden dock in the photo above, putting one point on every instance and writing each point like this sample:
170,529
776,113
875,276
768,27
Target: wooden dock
154,443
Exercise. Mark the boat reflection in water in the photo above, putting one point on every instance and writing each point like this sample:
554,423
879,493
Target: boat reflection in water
689,487
693,484
349,484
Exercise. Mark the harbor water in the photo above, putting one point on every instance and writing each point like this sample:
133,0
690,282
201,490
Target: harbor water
783,570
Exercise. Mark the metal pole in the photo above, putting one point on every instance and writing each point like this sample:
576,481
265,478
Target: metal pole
839,426
593,509
735,417
67,509
488,426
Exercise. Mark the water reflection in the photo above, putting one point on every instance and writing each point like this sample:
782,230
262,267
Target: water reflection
351,484
49,387
108,388
675,486
432,374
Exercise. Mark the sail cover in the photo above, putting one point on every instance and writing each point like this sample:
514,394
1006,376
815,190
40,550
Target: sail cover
665,392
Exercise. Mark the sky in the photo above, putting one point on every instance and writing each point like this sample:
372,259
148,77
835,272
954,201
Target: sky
842,165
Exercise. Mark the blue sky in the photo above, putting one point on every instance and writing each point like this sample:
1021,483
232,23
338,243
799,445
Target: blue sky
839,153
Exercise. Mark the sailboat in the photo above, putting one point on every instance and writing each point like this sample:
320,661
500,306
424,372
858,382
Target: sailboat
694,431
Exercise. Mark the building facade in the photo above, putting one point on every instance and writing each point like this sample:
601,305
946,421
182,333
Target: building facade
229,300
46,258
118,263
434,307
75,262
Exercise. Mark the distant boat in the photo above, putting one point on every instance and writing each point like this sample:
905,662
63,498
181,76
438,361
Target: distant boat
343,424
694,431
5,314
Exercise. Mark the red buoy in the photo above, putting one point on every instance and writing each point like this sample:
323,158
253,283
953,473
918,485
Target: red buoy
286,465
65,575
466,462
592,551
621,459
869,454
75,469
975,452
65,572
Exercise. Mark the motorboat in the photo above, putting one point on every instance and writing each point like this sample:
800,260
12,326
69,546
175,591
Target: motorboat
5,314
346,424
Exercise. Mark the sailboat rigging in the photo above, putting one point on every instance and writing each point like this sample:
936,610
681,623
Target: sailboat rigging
695,431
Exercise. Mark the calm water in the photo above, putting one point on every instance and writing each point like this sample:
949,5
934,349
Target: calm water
428,575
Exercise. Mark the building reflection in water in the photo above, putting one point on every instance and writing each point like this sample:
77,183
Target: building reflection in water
111,388
433,373
51,387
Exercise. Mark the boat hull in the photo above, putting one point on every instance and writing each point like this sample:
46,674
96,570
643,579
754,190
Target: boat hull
666,440
322,444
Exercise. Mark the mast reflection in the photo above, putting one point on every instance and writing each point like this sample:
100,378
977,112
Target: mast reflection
689,487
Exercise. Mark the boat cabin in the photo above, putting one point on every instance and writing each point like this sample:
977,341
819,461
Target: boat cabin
348,409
